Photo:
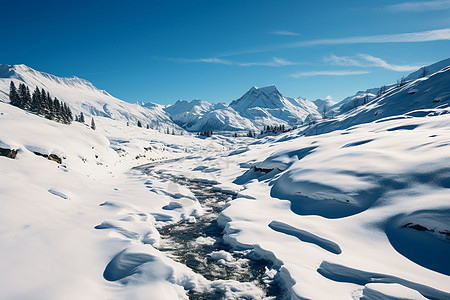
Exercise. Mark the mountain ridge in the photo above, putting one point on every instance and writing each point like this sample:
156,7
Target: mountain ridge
255,109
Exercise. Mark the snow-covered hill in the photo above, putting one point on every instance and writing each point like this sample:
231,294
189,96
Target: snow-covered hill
82,96
363,97
425,96
355,209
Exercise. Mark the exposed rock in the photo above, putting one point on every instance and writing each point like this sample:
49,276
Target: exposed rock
52,157
10,153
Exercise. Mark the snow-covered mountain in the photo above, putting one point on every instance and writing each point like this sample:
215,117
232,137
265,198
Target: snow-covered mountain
267,106
187,114
428,70
324,105
199,115
82,96
363,97
424,96
257,108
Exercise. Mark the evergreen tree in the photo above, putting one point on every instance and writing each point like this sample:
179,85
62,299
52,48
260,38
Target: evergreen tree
139,124
148,126
68,117
424,72
13,95
22,95
40,103
44,104
27,100
51,109
57,111
93,124
36,101
81,118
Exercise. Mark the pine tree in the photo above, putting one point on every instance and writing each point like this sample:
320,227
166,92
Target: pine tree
81,118
68,117
93,124
36,101
148,126
27,99
13,95
22,95
57,111
139,124
44,104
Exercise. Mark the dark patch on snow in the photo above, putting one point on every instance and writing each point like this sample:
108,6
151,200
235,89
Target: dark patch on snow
10,153
404,127
125,264
342,273
306,236
52,157
358,143
413,237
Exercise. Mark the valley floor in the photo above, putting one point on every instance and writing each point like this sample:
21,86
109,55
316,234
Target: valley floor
360,213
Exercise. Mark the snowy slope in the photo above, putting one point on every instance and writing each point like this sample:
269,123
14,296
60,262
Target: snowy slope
360,214
226,119
323,105
428,70
82,96
73,230
426,93
355,209
357,99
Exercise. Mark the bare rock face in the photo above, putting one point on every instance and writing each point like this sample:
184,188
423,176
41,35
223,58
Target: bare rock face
52,157
10,153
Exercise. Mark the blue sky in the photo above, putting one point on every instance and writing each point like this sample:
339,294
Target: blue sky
162,51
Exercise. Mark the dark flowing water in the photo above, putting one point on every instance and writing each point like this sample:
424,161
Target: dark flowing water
194,244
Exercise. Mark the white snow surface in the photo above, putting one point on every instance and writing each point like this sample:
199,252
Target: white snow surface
357,208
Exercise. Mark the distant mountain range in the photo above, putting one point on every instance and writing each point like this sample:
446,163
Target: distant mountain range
256,109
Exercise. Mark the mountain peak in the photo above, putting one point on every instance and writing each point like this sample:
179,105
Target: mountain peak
266,97
268,90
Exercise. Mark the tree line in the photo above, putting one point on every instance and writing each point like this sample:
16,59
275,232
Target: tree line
40,103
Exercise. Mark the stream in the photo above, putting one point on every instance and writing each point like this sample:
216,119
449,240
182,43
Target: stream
199,245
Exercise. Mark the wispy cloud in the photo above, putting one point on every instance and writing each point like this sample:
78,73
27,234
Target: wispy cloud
422,36
284,32
378,62
420,6
412,37
343,60
210,60
328,73
274,62
366,60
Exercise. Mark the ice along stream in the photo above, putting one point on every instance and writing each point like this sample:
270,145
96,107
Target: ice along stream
212,258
